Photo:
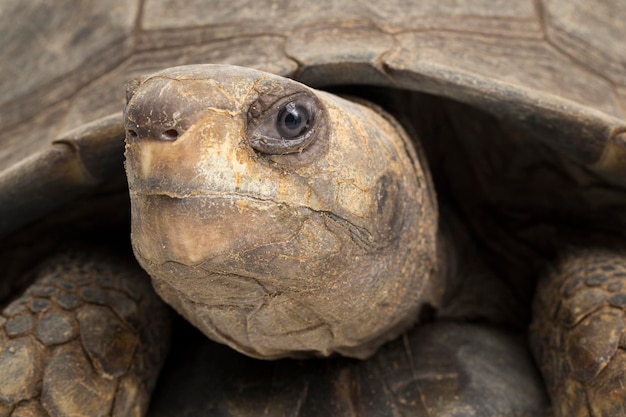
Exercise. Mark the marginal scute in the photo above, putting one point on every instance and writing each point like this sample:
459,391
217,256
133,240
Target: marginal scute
72,387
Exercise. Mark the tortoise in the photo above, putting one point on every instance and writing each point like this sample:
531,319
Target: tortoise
485,142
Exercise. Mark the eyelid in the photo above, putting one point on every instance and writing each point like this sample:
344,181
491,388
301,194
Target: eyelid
263,133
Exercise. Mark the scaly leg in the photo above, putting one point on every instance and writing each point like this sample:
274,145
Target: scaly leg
579,334
87,338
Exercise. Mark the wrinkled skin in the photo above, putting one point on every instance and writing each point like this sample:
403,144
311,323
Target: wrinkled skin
330,247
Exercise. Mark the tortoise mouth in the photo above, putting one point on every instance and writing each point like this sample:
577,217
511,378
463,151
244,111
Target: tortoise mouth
227,195
189,229
193,229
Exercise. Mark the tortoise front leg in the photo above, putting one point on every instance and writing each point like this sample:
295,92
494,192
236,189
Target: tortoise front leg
87,338
579,334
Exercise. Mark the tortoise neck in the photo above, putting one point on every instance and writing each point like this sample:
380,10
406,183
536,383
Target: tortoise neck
470,288
449,256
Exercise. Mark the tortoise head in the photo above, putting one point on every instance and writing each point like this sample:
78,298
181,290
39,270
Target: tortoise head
280,220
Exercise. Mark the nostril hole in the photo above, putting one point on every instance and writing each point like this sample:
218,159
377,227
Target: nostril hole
132,133
170,134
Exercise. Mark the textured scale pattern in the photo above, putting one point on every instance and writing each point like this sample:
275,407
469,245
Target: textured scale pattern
80,340
579,334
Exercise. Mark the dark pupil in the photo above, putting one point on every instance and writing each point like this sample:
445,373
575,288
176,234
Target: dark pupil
293,120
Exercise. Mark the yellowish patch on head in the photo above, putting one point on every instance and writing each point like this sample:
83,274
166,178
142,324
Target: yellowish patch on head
146,161
353,199
242,205
317,241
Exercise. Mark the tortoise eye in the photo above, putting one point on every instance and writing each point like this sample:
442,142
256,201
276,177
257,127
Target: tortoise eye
287,127
292,121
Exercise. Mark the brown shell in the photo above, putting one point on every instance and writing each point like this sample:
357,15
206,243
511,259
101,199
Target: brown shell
556,66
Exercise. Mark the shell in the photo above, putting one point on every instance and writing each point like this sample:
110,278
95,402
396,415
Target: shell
557,67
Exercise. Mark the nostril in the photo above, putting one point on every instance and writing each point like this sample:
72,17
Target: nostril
132,134
170,134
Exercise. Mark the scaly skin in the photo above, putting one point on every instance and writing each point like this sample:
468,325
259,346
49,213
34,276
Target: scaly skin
579,333
87,338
